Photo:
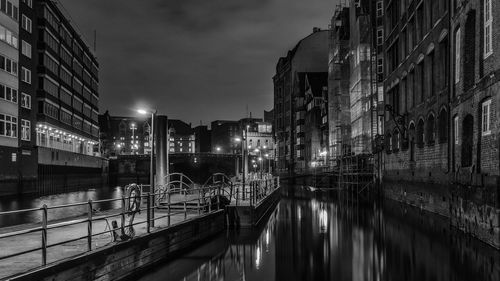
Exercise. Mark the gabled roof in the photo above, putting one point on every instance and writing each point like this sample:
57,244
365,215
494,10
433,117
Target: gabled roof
180,127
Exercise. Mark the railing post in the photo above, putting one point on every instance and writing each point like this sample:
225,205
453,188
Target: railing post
168,207
199,201
185,201
148,210
152,205
218,197
44,234
209,200
89,226
123,209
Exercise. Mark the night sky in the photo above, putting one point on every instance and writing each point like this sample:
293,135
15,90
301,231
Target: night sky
193,59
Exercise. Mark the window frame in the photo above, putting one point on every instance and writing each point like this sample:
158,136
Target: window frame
486,120
488,28
25,130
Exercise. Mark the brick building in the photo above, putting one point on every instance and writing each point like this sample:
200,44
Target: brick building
475,119
416,52
309,55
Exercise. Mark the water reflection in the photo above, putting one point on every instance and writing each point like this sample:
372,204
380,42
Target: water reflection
312,237
15,203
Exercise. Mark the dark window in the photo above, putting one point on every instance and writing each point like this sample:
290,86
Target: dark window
430,132
443,126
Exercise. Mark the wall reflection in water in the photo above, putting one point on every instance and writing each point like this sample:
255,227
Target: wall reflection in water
312,237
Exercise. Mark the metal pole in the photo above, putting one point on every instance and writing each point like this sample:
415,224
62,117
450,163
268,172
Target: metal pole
44,234
148,214
151,164
89,226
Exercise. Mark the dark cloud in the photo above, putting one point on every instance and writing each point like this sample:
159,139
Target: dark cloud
193,59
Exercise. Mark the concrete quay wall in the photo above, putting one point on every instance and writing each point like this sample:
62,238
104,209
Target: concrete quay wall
123,261
475,210
249,216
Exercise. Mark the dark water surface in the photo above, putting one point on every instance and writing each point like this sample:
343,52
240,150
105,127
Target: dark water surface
17,203
311,237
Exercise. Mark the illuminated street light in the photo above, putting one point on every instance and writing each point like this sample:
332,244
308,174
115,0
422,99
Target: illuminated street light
218,148
151,138
237,139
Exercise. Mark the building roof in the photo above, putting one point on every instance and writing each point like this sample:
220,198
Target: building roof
180,127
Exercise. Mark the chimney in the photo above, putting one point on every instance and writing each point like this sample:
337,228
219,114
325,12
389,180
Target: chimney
316,29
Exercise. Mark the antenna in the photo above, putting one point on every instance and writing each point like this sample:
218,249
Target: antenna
95,40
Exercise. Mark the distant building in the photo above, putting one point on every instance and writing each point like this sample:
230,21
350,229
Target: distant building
339,104
130,135
48,97
309,55
224,134
15,130
310,97
123,135
269,116
181,137
203,139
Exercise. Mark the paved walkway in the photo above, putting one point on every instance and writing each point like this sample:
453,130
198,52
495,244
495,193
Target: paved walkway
101,234
24,242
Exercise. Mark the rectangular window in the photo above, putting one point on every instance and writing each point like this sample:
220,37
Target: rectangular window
7,93
488,27
28,2
8,126
25,101
25,75
380,37
380,9
25,130
26,48
455,129
486,115
8,36
26,23
458,54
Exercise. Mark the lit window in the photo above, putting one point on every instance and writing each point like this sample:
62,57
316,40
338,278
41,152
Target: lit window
25,101
25,75
26,23
26,48
458,53
8,126
486,115
488,27
25,130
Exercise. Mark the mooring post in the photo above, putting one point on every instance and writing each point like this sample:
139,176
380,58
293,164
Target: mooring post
89,226
44,234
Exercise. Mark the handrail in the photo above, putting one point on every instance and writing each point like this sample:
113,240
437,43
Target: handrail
178,201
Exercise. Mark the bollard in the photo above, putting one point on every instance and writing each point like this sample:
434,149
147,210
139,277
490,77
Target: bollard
44,234
89,226
185,201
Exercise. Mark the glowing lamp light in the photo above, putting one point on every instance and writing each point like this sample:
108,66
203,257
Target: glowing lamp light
142,111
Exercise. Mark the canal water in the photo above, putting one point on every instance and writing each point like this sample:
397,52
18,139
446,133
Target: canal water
17,203
311,236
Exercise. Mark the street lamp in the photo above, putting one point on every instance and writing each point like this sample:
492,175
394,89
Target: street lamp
152,145
218,148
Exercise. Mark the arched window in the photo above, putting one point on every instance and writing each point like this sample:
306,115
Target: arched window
430,132
419,138
388,142
443,126
411,136
396,144
467,140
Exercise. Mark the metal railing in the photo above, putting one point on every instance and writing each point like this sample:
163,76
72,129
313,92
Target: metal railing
255,190
102,227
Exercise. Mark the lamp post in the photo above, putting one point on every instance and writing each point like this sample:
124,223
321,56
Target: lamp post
152,145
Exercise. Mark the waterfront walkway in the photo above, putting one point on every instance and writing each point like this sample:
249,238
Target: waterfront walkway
28,246
101,236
